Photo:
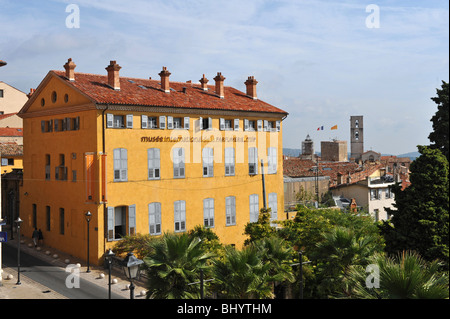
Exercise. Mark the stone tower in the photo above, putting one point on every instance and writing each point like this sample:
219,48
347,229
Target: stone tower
356,137
307,148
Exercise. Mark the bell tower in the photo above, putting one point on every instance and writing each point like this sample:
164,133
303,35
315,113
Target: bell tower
356,137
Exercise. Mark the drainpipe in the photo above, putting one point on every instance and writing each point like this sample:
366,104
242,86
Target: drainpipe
105,213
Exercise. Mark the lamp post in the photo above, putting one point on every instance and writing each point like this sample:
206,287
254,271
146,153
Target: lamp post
109,258
18,222
131,269
88,216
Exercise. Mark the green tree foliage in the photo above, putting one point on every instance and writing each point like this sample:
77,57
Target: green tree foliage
173,264
404,276
260,229
439,136
420,221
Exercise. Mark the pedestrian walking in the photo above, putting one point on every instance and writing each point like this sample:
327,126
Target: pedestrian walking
35,236
41,237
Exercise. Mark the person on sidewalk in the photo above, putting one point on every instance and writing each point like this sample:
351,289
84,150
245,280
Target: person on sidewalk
35,236
41,237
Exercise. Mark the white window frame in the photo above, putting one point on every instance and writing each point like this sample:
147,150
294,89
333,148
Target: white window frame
178,162
154,163
230,211
254,207
179,213
208,212
208,161
229,161
272,160
253,161
154,218
120,164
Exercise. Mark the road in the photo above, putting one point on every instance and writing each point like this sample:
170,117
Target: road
53,277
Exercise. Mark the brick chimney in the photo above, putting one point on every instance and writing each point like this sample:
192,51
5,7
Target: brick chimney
164,74
70,69
204,81
219,85
113,75
251,87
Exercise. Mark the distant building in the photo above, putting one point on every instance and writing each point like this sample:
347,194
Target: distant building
356,137
370,156
307,148
335,151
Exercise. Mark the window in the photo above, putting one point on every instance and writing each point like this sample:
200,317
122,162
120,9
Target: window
61,170
154,218
252,161
375,194
178,163
120,165
356,123
61,221
230,210
229,161
356,135
254,208
2,94
273,205
47,217
208,212
34,216
208,162
117,222
205,123
272,160
228,124
54,96
47,167
259,123
119,121
180,215
249,125
153,163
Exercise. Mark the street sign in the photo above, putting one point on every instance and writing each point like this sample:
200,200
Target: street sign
3,237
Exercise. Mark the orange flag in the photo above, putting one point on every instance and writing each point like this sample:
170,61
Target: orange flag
334,127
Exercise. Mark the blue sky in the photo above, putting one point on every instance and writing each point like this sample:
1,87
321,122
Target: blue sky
317,60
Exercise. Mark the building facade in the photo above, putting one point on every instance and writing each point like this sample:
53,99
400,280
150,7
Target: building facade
146,156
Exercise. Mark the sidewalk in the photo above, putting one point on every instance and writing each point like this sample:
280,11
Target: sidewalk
30,289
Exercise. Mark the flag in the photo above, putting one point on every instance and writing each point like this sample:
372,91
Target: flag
334,127
320,128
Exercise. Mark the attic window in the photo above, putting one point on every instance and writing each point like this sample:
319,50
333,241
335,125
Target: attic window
42,102
54,96
142,87
66,98
131,81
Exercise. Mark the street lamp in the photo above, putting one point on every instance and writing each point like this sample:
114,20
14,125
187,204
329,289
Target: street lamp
109,258
88,216
131,269
18,222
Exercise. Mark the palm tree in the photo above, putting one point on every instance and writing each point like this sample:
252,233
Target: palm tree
336,253
174,263
243,274
406,276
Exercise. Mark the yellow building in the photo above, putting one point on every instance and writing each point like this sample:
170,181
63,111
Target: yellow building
146,156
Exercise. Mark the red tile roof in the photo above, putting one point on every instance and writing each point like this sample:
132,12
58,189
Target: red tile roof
146,92
11,131
11,149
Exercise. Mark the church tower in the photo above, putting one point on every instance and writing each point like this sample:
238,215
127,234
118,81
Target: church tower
356,137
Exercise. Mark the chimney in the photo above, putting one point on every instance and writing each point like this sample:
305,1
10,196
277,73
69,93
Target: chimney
31,92
164,74
204,82
251,87
70,69
113,75
219,85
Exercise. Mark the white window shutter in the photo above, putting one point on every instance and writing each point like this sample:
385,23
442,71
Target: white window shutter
236,124
110,224
209,123
129,120
245,124
170,123
109,120
162,122
222,124
278,125
132,220
186,123
144,121
259,125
